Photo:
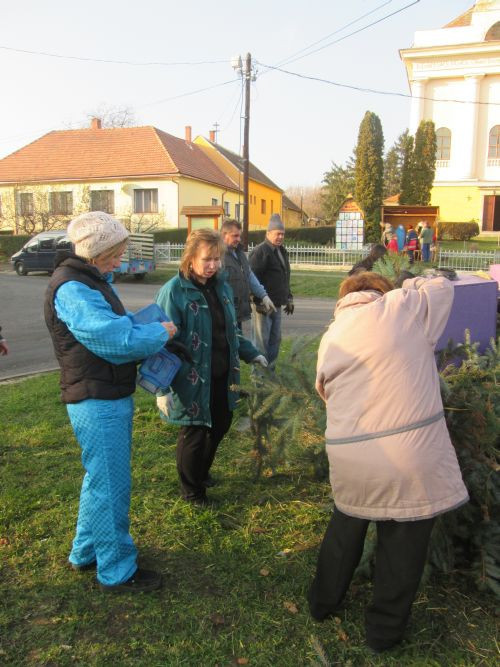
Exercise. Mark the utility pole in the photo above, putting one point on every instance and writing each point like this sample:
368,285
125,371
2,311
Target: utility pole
245,71
216,130
246,159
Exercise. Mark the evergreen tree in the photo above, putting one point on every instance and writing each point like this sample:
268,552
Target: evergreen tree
393,165
338,183
406,194
424,162
369,173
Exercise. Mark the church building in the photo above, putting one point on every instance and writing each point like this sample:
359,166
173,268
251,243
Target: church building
454,77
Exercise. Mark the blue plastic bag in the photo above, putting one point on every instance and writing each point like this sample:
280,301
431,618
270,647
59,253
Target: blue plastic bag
157,371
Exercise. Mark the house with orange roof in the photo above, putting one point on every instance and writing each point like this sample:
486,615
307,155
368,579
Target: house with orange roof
264,196
142,175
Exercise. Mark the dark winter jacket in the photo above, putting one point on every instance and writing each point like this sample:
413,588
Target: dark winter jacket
238,272
84,374
187,307
271,271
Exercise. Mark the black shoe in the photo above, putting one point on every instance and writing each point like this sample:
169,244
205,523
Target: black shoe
381,647
84,568
209,481
202,501
142,581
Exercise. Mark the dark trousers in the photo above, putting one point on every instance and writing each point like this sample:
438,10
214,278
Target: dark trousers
399,562
197,445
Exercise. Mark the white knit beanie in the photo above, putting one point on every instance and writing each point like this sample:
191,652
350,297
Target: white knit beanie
93,233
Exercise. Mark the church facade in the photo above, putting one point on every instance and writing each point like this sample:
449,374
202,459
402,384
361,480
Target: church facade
454,78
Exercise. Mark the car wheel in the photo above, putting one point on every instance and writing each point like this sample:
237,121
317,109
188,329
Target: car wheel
20,270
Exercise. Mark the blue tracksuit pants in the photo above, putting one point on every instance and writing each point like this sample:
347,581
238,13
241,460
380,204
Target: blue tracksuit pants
103,429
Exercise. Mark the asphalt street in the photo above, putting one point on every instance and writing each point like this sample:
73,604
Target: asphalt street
30,347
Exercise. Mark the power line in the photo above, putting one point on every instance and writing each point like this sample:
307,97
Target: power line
335,32
111,62
193,92
238,104
355,32
374,90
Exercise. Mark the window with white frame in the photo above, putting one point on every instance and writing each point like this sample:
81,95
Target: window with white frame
443,143
494,142
61,203
26,205
227,208
102,200
214,201
146,201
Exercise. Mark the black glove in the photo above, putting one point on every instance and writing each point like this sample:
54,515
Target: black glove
180,350
289,308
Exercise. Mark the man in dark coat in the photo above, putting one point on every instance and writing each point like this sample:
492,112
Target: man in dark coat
269,261
239,274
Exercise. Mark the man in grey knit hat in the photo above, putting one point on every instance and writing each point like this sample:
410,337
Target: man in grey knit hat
270,264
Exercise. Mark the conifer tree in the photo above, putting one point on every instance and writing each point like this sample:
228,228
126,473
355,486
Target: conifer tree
406,194
424,162
337,184
369,173
393,165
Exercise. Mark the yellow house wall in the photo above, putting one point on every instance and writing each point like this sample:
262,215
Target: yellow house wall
458,203
167,216
222,162
257,193
196,193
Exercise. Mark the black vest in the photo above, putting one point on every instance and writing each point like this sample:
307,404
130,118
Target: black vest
238,272
83,374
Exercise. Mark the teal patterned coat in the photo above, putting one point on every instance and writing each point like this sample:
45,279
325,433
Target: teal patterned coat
186,306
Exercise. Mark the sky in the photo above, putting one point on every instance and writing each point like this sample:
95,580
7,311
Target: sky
298,127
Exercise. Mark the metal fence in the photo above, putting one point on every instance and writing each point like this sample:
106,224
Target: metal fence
170,253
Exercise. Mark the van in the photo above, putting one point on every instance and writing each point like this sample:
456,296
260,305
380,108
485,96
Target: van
39,253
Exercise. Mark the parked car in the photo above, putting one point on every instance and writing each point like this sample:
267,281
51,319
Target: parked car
38,253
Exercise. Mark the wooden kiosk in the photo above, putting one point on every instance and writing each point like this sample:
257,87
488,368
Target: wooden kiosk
202,216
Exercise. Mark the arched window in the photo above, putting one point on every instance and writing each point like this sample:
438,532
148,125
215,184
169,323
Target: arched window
493,34
494,142
443,143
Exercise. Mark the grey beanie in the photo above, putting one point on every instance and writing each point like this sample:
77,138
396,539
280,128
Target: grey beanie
95,232
275,222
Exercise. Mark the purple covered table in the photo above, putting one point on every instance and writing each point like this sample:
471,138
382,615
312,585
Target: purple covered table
474,308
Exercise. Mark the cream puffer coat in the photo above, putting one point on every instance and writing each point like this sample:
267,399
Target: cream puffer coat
388,447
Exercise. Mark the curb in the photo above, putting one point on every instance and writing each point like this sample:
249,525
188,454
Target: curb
17,377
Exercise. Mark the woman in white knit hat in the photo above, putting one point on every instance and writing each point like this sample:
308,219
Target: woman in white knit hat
97,345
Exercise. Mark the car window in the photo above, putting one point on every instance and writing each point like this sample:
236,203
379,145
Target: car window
47,244
63,244
31,247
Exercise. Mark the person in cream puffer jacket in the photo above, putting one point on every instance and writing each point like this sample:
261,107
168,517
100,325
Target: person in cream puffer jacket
390,455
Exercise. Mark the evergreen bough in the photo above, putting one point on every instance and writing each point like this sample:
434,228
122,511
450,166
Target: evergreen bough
288,422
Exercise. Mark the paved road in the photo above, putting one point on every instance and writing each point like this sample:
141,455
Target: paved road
21,316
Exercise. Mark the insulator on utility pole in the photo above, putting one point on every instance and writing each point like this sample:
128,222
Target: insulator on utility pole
246,160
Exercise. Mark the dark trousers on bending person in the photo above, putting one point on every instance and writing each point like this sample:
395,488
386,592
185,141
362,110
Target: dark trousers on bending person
197,445
400,558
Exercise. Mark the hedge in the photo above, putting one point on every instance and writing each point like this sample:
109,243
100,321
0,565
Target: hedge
11,244
457,231
321,235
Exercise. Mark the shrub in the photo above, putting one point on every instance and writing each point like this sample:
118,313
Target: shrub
287,427
457,231
11,244
322,235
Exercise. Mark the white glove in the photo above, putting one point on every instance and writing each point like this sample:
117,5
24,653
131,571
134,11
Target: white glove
260,360
268,304
165,403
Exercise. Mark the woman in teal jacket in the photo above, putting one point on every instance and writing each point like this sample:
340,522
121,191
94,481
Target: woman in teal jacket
200,303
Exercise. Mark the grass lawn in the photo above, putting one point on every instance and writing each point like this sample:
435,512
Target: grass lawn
303,283
235,575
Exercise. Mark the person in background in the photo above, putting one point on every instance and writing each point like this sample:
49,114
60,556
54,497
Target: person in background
269,261
4,348
204,393
388,229
97,346
392,243
401,236
411,243
394,466
425,239
376,252
239,274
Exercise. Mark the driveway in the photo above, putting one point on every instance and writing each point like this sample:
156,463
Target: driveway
23,324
